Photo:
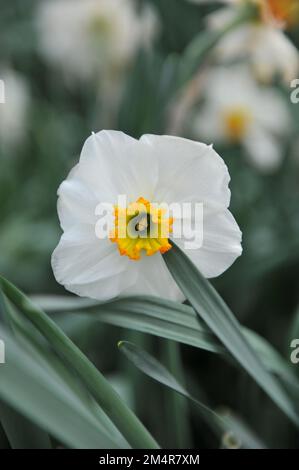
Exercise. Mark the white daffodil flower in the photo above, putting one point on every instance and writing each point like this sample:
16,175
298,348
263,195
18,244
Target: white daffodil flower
91,37
238,110
152,170
263,40
13,108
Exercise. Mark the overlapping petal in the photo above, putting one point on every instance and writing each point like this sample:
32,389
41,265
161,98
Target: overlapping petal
186,170
91,267
221,242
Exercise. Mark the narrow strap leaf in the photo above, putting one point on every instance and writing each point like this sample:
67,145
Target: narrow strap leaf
162,318
124,419
156,371
212,309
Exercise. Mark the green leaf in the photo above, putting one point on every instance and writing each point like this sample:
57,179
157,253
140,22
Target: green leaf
162,318
155,370
61,303
123,418
30,389
22,433
212,309
176,407
4,443
34,343
159,317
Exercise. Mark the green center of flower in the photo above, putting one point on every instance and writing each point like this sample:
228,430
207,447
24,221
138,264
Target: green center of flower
100,28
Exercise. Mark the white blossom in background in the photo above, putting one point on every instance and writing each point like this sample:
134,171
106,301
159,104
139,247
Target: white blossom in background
263,40
158,169
14,109
239,110
91,37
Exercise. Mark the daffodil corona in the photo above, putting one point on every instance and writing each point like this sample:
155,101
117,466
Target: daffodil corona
236,121
139,227
153,174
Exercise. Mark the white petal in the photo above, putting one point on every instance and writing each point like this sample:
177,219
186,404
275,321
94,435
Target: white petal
264,150
111,164
120,163
155,279
272,112
76,202
91,267
227,88
221,243
189,171
235,44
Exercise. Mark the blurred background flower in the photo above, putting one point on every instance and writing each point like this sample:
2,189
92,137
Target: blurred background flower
13,112
90,38
71,67
262,40
95,42
238,110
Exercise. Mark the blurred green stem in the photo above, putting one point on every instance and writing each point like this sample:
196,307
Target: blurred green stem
201,45
176,405
139,386
124,419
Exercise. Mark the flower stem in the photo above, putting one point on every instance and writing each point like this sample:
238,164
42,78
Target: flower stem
177,406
